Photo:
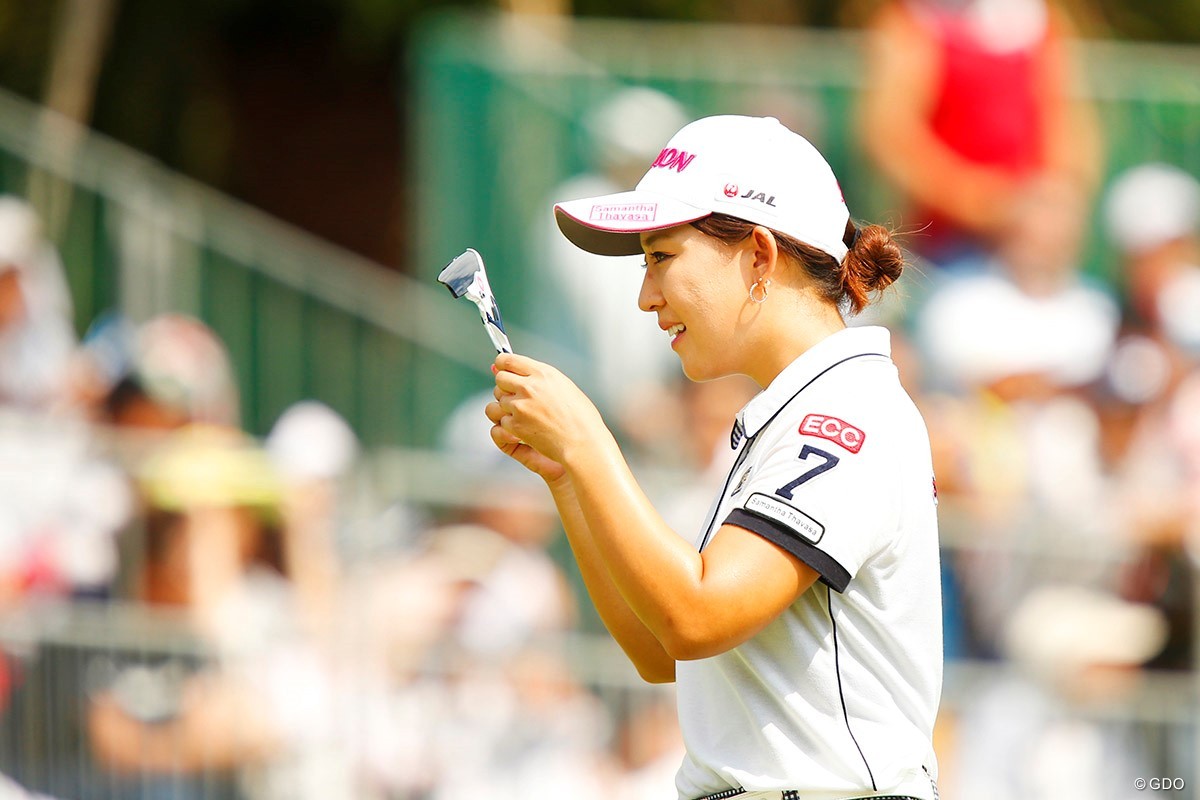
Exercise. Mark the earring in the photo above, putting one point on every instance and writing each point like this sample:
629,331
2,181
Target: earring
761,283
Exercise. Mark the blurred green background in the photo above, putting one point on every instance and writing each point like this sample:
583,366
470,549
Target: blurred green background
381,137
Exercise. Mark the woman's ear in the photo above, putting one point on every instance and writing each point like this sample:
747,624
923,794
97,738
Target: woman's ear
765,250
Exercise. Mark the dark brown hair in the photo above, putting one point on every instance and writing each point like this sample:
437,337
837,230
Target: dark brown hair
873,262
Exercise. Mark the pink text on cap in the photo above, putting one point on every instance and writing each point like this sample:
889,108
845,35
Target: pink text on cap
624,212
670,157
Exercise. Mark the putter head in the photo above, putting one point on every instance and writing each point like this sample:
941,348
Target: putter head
460,273
466,277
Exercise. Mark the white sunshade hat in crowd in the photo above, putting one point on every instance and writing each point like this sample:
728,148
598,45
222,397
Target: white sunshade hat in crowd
1151,204
753,168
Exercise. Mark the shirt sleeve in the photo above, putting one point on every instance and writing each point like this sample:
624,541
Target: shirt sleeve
825,504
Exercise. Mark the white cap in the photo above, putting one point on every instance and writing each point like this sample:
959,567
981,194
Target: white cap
21,240
1152,204
312,441
752,168
1059,629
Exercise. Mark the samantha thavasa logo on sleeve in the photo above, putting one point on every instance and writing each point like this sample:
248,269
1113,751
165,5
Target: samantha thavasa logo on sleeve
785,514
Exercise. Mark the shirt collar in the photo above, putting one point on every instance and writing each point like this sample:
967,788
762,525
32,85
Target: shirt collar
831,350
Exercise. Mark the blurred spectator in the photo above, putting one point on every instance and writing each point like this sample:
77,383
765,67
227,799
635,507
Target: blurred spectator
218,547
61,508
1011,348
308,691
37,335
63,500
167,372
649,750
590,301
504,523
966,102
313,450
66,494
525,731
1152,213
515,722
1027,324
1041,732
1154,495
709,411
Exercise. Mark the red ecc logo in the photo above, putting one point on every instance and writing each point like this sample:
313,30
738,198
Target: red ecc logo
731,190
835,430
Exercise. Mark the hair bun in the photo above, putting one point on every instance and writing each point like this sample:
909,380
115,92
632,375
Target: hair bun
873,263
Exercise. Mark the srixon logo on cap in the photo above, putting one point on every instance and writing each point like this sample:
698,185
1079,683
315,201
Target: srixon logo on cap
835,430
670,157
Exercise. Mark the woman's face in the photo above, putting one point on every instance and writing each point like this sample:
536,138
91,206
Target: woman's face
696,287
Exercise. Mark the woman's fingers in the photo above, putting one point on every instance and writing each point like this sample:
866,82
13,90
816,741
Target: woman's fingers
501,418
510,382
503,438
517,364
513,371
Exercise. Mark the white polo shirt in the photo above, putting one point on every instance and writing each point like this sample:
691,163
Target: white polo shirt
836,697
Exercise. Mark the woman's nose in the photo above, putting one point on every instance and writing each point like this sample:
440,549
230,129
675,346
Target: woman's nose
649,298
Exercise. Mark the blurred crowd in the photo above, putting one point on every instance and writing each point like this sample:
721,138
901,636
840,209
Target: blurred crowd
1061,393
295,642
189,611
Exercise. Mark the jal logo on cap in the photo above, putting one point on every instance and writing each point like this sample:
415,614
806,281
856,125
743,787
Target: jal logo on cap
761,197
734,192
672,158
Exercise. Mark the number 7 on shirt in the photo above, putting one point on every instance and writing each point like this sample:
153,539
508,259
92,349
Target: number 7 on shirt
829,461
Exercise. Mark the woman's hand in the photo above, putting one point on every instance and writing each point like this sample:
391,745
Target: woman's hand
547,469
541,409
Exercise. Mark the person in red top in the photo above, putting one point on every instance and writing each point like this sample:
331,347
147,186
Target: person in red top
968,104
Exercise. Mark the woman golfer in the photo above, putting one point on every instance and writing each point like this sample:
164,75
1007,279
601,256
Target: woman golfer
802,623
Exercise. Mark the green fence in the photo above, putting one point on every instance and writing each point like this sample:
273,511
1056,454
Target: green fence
301,319
499,108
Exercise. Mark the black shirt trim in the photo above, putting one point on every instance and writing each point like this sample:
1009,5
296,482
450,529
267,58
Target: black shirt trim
832,573
837,667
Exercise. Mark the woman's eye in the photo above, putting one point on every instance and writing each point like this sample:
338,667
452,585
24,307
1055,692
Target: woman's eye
654,258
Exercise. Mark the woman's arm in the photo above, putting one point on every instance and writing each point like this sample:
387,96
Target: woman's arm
643,648
696,604
639,644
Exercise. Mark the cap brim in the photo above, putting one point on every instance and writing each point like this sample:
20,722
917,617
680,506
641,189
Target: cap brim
611,225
